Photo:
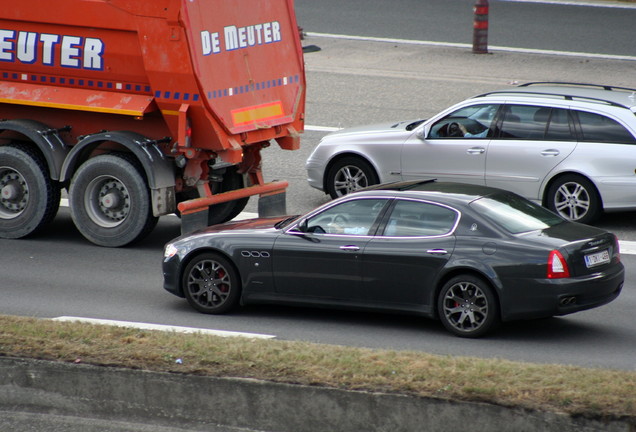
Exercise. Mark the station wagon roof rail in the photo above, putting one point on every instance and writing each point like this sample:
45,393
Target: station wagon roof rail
549,89
565,83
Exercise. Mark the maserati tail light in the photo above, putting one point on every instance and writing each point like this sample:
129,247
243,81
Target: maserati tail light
557,266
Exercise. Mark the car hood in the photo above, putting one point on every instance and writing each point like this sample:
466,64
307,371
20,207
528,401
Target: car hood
246,224
374,129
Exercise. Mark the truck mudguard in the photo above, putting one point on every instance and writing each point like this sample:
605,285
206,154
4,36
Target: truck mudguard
159,170
45,138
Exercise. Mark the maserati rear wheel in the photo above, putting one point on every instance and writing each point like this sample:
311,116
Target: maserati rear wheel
467,306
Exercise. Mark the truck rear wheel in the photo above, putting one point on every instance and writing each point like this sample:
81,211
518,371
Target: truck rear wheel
29,199
224,212
110,200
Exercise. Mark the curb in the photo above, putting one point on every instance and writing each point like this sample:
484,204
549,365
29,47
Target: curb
190,401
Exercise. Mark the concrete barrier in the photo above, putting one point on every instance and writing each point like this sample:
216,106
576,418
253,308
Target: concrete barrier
190,401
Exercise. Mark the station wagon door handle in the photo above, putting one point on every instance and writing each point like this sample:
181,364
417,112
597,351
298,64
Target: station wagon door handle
475,150
350,248
550,152
437,251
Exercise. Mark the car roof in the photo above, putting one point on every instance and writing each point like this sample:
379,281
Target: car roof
618,96
444,192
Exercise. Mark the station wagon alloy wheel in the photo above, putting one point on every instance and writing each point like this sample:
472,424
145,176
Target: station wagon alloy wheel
575,199
572,201
467,306
348,175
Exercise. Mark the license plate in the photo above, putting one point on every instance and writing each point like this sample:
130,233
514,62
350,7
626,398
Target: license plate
598,258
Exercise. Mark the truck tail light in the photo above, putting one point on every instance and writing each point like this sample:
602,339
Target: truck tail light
188,133
557,266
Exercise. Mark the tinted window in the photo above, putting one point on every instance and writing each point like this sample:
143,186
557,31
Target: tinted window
598,128
414,218
514,213
354,217
524,122
468,122
559,126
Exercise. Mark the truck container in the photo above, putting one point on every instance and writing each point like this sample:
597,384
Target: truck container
137,109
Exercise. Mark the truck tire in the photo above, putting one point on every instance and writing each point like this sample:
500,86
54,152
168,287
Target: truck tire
110,200
29,199
224,212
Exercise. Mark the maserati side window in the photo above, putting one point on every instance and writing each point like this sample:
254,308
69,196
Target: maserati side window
419,219
355,217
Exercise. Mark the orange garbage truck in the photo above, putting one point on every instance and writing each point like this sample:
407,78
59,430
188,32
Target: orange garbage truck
141,108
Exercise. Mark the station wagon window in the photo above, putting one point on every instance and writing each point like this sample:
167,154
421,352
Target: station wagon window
528,122
418,219
473,121
355,217
559,128
598,128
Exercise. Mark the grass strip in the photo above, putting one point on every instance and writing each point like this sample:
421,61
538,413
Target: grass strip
592,393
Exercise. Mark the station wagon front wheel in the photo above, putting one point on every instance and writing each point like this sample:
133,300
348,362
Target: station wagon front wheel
348,175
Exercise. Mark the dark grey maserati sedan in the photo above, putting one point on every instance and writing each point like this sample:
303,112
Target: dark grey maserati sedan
471,256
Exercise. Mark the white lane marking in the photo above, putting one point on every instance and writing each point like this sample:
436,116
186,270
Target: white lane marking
627,247
246,215
166,328
469,46
321,128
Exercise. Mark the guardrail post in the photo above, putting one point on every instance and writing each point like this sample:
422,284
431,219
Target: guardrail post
480,27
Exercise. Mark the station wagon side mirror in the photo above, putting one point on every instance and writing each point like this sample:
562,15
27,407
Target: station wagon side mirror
422,133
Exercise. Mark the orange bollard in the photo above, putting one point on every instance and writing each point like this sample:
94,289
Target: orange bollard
480,27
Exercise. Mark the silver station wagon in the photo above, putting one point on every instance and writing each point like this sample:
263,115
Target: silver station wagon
568,146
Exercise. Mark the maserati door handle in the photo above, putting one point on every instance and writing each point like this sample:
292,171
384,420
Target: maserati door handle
350,248
437,251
